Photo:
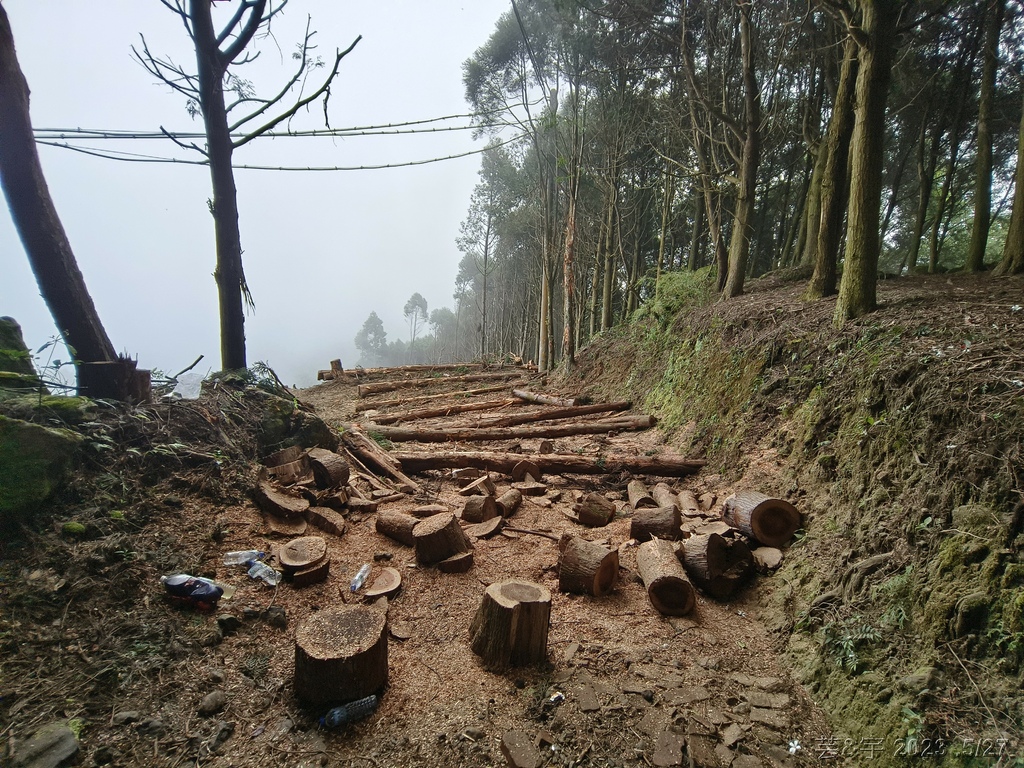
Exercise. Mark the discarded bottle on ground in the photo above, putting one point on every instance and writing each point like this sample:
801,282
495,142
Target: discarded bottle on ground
243,557
360,578
192,590
261,570
349,713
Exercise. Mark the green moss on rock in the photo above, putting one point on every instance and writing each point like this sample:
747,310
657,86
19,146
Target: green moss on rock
35,460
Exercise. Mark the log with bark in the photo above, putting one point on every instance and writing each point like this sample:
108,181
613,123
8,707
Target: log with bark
594,510
329,469
326,520
553,463
535,397
360,443
639,498
376,405
510,628
717,566
341,654
551,414
660,522
509,502
688,503
585,567
480,508
438,538
365,390
768,520
668,586
471,434
397,526
664,496
443,410
276,501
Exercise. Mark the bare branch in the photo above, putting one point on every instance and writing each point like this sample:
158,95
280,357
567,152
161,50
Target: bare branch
256,10
167,72
183,145
324,88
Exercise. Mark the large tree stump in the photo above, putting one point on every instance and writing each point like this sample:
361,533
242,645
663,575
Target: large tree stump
397,525
768,520
341,654
510,628
302,553
668,587
585,567
329,469
662,523
594,510
439,537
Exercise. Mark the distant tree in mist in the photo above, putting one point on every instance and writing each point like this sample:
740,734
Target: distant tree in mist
372,341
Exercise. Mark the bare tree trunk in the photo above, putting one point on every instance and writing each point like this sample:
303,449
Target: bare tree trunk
739,244
876,38
60,281
983,177
1013,252
926,181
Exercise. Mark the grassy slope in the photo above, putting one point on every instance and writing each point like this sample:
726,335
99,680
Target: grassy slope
902,604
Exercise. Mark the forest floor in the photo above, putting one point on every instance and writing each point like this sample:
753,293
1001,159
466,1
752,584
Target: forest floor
87,638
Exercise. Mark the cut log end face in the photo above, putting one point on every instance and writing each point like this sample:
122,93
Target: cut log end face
514,592
671,596
776,525
302,553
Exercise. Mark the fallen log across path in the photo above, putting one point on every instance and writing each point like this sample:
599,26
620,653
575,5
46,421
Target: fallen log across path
374,405
408,434
361,445
551,414
364,390
535,397
444,410
551,463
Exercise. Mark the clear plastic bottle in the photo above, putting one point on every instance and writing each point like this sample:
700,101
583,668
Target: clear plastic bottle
349,713
268,575
360,578
243,557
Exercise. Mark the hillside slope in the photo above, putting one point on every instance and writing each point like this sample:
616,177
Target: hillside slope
901,608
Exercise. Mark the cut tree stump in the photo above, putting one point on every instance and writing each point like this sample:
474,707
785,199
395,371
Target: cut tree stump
509,502
341,654
639,498
314,574
550,463
387,584
534,397
302,553
594,510
480,508
585,567
524,469
397,526
438,538
510,628
768,520
717,566
661,523
364,390
471,434
329,469
275,501
668,587
664,496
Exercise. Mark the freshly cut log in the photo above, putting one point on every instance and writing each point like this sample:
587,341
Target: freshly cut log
550,463
329,469
336,368
717,566
443,410
337,499
291,472
467,475
428,510
553,414
365,390
314,574
326,520
480,508
534,397
688,502
439,537
378,404
668,587
387,584
485,529
275,501
397,525
530,488
510,628
639,498
509,502
594,510
482,486
302,553
766,558
664,496
360,443
768,520
284,456
409,434
585,567
341,654
362,505
459,563
398,370
661,523
524,469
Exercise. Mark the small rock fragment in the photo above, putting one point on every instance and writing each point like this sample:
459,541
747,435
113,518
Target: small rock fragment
669,749
228,623
519,751
125,717
276,616
212,703
48,747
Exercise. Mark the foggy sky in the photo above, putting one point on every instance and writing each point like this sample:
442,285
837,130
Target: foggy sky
321,250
